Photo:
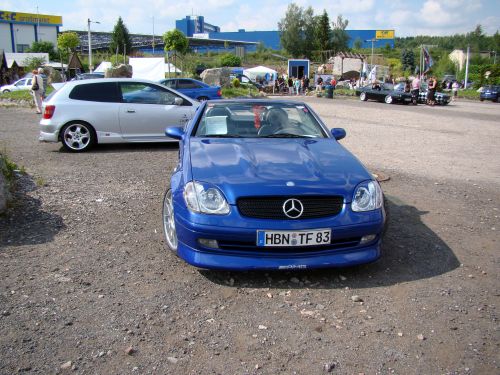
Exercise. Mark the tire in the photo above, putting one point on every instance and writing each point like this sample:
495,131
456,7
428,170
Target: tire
388,99
363,97
78,136
202,98
5,91
169,222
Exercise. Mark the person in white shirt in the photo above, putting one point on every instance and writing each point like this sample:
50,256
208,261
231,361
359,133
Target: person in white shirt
37,90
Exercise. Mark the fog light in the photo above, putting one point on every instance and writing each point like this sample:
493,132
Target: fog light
368,238
208,243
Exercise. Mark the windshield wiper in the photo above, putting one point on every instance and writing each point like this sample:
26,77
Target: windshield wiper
283,135
221,136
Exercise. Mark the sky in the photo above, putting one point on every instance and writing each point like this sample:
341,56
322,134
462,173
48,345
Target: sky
406,17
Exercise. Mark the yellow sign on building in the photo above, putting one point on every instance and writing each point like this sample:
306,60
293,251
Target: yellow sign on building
32,18
384,34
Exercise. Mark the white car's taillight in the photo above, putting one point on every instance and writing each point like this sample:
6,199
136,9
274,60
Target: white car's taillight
49,111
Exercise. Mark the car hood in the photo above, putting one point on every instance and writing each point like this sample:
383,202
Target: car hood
250,166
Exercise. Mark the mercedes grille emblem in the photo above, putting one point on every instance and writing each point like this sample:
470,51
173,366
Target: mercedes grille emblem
293,208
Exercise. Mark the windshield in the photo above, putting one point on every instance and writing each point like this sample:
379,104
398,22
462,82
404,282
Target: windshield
262,120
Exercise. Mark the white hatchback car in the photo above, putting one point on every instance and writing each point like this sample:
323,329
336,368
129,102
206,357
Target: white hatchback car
81,114
22,84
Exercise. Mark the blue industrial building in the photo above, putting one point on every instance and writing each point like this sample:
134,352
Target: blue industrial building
195,26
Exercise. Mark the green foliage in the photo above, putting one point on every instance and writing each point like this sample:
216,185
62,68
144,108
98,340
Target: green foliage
243,90
358,44
235,83
31,63
408,60
228,59
176,41
340,39
45,47
291,29
68,41
120,39
323,31
395,66
7,166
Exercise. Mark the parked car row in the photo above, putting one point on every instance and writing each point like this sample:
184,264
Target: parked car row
490,92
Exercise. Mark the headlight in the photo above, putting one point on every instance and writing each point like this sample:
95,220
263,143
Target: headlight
367,197
205,198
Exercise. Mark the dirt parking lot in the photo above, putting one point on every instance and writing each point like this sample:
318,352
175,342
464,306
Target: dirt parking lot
88,287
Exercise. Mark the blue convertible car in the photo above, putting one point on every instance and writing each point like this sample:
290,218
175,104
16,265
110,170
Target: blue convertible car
263,184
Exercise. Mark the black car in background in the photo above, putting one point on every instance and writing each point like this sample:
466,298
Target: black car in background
441,98
490,92
383,92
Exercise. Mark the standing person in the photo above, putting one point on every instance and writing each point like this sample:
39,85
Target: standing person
290,85
37,89
431,91
454,90
415,89
319,85
296,84
306,85
44,78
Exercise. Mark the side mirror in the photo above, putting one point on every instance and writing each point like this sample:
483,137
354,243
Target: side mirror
175,132
338,133
178,101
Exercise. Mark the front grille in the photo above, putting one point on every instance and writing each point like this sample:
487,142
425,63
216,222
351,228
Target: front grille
272,207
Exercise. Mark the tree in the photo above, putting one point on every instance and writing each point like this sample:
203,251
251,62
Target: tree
291,30
340,39
230,60
358,44
408,60
31,63
67,42
45,47
176,42
120,39
323,31
310,22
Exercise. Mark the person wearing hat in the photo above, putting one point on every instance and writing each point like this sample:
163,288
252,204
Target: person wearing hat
44,77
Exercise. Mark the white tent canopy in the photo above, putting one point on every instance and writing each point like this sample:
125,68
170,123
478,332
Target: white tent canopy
105,65
267,74
171,68
152,68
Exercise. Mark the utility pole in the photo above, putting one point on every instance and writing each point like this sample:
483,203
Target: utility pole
153,35
373,40
91,68
467,67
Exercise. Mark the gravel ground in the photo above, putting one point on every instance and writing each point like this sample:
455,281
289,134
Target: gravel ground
87,286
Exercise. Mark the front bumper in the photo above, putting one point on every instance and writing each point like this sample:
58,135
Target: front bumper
238,250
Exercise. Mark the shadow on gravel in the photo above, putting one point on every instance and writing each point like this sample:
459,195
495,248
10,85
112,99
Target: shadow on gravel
410,251
25,223
128,147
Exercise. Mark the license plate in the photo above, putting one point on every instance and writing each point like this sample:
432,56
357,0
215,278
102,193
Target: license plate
407,99
272,238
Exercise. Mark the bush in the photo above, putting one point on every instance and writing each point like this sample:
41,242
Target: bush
230,60
236,83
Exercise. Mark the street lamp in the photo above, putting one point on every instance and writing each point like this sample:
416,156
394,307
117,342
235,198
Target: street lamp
90,44
153,35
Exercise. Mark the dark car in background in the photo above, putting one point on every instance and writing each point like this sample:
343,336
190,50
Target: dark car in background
490,92
441,98
383,92
194,89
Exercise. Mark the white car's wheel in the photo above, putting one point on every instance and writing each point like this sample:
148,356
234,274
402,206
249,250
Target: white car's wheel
5,91
78,136
363,97
169,221
388,99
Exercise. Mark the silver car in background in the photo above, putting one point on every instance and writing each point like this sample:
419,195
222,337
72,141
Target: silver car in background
81,114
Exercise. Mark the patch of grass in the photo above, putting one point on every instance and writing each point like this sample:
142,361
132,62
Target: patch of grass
22,95
8,167
468,94
234,92
40,181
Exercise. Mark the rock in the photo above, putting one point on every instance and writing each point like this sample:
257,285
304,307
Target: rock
357,298
343,278
400,334
328,367
121,71
129,350
262,327
217,76
172,360
269,295
66,365
295,280
420,337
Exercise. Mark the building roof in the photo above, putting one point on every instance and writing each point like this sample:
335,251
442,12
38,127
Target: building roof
20,58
